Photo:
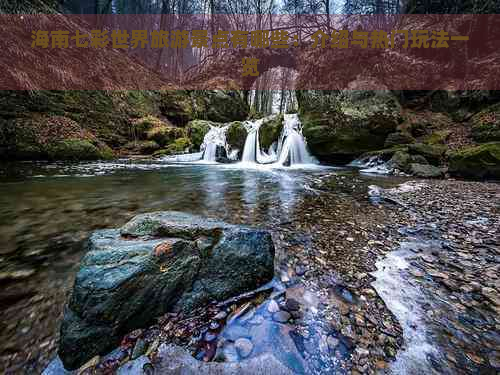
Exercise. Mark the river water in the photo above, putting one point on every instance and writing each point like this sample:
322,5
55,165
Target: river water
48,210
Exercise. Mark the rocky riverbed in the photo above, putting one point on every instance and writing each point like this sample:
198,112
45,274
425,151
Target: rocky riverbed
347,252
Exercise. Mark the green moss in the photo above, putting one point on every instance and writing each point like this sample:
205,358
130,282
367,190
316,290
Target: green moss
486,124
142,147
340,127
270,132
398,138
438,137
236,135
433,153
179,146
477,162
73,149
196,131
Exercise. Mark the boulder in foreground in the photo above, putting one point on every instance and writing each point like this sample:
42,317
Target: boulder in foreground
157,263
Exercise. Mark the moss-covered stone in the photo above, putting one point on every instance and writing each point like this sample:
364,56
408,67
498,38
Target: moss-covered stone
236,135
398,138
477,162
400,160
179,146
438,137
425,170
73,149
196,131
50,137
348,124
486,125
142,147
433,153
270,132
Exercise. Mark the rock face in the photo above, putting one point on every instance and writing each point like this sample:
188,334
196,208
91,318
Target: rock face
477,162
156,263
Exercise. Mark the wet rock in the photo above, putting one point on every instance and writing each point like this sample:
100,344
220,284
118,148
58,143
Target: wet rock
300,270
281,316
175,360
332,342
425,170
210,337
244,347
235,331
135,367
127,265
56,367
292,305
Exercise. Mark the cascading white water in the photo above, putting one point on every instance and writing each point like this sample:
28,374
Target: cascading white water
251,151
292,148
216,137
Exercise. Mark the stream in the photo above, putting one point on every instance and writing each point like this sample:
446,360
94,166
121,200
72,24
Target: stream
49,209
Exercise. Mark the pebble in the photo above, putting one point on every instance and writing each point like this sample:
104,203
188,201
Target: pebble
244,347
292,305
281,316
300,270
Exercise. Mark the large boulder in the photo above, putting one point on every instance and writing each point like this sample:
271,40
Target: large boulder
270,131
236,135
477,162
425,170
157,263
432,153
342,126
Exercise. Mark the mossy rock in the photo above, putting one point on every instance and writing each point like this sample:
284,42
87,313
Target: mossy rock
196,131
400,160
438,137
165,135
77,149
349,123
433,153
486,125
142,147
270,132
236,135
398,138
179,146
480,162
425,170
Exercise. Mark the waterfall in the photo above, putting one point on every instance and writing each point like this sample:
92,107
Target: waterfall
251,151
292,148
214,146
213,142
